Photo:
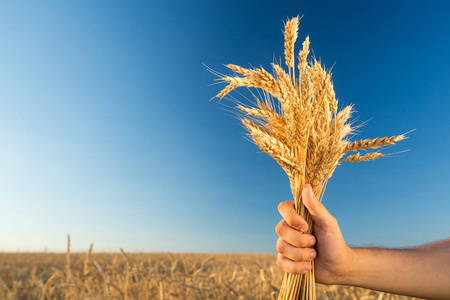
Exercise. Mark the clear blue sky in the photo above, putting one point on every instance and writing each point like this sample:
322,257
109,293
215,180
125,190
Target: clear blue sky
107,132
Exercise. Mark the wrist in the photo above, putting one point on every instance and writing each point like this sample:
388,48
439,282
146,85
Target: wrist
347,269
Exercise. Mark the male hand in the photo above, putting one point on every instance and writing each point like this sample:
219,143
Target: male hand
331,254
421,271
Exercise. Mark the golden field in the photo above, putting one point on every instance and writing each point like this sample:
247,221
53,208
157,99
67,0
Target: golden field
152,276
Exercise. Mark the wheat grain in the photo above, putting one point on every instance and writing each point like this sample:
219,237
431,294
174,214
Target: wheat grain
240,70
287,90
267,142
373,143
290,36
357,157
302,58
226,90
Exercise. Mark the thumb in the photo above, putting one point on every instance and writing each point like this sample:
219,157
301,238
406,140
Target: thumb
318,212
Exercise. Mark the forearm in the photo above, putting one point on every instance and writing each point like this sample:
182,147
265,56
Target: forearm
421,271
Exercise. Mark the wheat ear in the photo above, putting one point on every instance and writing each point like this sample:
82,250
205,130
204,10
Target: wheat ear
290,36
268,142
373,143
357,157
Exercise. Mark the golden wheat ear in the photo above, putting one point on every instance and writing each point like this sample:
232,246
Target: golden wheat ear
373,143
357,157
290,36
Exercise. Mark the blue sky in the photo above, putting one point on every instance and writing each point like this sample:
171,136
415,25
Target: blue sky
107,132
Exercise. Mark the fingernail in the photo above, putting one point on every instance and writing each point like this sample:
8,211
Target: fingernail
302,228
308,268
312,242
313,255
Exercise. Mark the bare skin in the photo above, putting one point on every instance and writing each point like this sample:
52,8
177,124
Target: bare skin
422,271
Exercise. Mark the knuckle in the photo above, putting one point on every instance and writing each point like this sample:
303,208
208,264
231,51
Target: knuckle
279,261
281,206
285,206
280,246
279,228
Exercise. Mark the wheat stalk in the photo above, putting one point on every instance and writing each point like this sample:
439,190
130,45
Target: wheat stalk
306,135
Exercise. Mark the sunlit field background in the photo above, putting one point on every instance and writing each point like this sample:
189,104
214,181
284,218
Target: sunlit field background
152,276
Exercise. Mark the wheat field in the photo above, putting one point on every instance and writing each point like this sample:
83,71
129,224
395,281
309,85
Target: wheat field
152,276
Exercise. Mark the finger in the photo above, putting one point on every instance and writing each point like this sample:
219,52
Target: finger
293,253
293,236
287,211
317,210
293,267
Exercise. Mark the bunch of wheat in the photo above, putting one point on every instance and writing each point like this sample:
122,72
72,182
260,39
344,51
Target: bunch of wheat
303,131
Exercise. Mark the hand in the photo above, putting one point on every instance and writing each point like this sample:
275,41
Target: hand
331,253
418,271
